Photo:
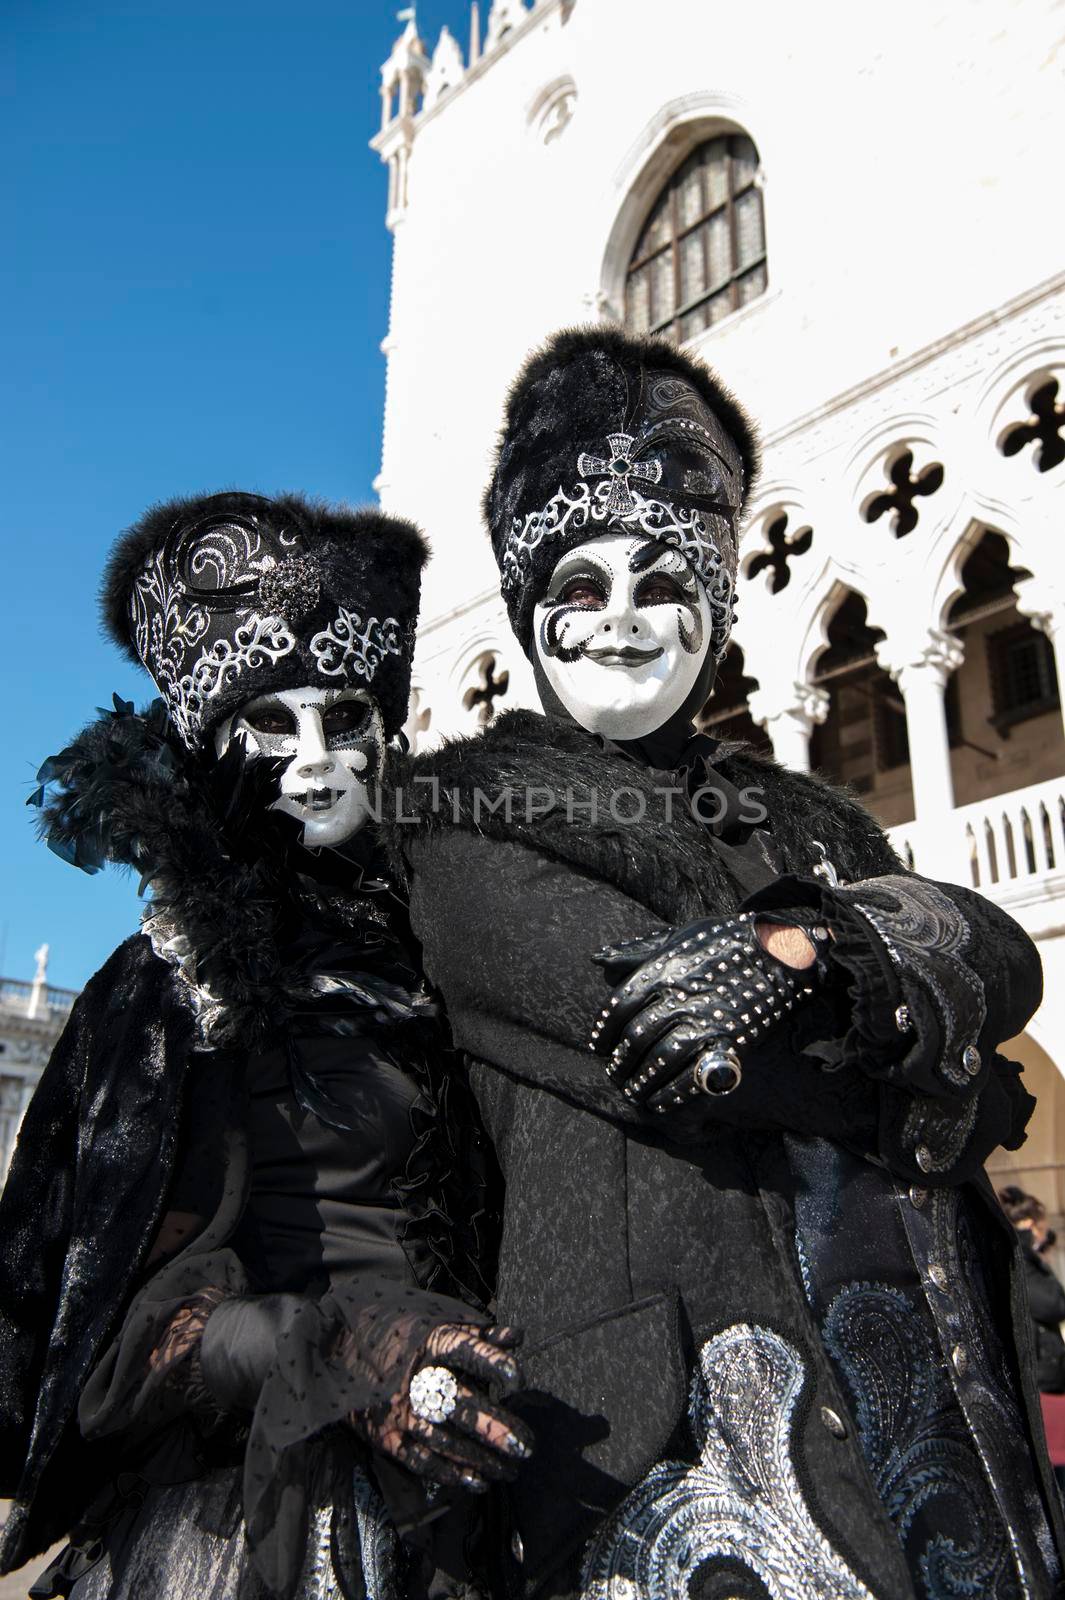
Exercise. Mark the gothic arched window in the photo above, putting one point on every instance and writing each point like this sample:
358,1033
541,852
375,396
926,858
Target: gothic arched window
701,254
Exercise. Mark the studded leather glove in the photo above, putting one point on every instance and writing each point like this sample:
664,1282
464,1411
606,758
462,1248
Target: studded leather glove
691,1003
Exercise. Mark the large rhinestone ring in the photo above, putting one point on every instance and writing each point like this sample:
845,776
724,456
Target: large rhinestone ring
717,1070
434,1394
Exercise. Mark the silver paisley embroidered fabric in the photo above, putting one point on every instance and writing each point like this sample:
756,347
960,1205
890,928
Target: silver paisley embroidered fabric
740,1502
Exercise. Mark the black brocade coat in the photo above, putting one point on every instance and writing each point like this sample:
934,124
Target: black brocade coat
623,1254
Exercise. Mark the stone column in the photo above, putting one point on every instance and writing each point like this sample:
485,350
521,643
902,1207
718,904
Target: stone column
790,725
921,673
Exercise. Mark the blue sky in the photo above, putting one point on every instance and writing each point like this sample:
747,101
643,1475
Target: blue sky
194,299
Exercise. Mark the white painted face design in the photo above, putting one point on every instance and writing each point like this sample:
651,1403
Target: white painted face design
622,633
334,742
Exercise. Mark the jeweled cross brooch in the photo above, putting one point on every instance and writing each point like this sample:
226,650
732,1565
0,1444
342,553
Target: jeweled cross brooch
619,469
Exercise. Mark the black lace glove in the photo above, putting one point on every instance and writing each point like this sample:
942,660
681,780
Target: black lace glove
438,1420
691,1002
218,1349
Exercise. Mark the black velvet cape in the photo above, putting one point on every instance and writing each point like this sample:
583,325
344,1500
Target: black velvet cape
83,1197
254,942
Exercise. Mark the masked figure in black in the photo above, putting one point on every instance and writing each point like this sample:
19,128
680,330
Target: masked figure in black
775,1341
242,1324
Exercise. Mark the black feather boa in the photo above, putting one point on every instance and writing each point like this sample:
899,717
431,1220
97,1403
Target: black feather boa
253,912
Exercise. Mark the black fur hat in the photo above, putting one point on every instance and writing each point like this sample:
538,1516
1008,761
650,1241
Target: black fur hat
605,433
226,597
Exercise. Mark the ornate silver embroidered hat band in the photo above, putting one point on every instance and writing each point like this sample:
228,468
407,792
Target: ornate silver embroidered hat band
231,596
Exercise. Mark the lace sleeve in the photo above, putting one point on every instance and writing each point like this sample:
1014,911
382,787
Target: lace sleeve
152,1373
175,1361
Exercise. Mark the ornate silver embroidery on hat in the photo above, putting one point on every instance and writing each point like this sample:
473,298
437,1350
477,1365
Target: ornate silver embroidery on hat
167,624
350,645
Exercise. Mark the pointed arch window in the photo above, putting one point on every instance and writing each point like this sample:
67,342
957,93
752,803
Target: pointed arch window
701,254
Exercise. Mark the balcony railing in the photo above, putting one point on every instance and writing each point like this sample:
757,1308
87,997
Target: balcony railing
16,993
1011,841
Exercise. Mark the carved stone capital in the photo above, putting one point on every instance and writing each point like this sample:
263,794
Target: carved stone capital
803,705
932,658
1040,603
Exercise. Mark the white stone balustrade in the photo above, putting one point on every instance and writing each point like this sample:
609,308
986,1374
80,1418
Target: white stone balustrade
1011,847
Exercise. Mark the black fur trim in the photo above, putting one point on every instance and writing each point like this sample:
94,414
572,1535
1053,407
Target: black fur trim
662,859
126,792
396,548
630,352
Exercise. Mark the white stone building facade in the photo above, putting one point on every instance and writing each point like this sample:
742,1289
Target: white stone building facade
32,1016
875,245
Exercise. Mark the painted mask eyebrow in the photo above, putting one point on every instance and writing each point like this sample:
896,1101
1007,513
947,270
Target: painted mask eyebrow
268,702
580,565
654,559
357,697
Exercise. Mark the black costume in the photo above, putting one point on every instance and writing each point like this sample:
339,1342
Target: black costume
256,1083
1046,1299
811,1259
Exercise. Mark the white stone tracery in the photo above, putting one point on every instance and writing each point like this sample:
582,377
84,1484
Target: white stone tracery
662,145
908,583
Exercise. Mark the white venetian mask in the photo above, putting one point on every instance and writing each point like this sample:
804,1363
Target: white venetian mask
333,741
622,634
